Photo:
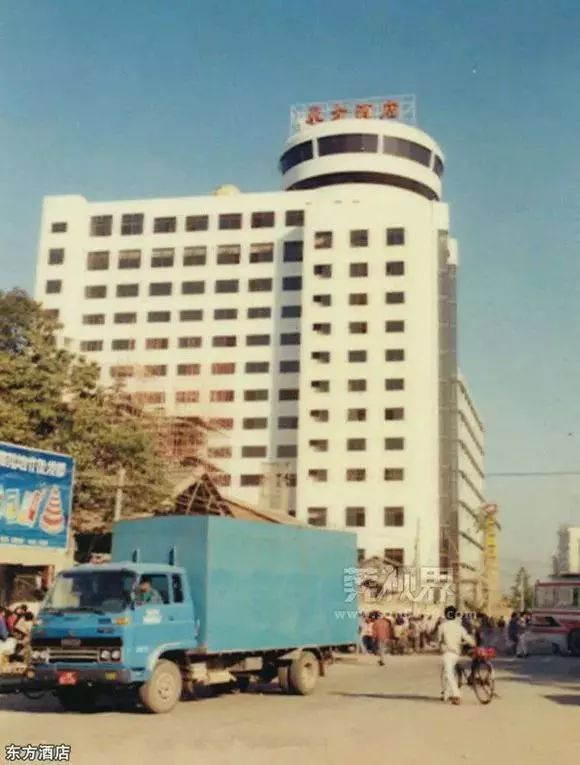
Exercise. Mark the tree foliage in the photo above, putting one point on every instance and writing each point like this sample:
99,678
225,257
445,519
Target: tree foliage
522,586
51,399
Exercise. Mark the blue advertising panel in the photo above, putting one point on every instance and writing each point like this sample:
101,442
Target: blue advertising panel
35,497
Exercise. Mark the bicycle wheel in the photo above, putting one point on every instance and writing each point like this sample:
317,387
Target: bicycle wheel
484,682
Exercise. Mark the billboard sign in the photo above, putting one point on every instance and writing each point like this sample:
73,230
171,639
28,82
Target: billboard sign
35,497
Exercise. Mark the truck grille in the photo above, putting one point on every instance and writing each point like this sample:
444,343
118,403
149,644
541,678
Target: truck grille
57,654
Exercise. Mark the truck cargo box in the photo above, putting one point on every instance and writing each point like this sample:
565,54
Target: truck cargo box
255,586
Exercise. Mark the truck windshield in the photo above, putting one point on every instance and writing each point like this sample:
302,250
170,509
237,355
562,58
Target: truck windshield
100,591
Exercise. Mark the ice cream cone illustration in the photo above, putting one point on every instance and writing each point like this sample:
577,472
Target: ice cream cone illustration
11,505
52,518
30,506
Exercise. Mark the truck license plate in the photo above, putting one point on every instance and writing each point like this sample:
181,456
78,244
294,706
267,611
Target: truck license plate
67,678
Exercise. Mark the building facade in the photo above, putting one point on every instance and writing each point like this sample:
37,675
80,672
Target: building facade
567,558
313,327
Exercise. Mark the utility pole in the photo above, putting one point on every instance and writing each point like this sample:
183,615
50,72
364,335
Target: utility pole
522,591
119,494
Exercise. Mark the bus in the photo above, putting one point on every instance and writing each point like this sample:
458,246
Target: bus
556,613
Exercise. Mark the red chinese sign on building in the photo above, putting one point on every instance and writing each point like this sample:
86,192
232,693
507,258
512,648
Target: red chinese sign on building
400,108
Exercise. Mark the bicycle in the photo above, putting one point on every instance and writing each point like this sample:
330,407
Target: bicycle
481,675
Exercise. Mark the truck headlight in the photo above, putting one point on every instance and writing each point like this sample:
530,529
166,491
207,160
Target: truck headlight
105,655
116,655
40,656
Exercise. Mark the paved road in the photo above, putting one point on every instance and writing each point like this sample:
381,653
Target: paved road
361,710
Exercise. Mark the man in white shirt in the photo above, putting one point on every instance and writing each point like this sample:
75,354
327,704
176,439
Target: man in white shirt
452,635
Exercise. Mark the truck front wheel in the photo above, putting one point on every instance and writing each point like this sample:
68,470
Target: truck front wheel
163,689
303,674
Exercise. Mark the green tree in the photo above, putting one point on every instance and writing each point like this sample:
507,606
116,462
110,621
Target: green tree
522,591
51,399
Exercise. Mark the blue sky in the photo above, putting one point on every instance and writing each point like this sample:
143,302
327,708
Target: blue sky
151,98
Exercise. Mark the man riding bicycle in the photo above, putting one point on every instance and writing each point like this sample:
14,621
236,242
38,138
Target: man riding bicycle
451,636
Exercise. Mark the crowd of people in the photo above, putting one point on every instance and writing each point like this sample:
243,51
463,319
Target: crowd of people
15,629
405,633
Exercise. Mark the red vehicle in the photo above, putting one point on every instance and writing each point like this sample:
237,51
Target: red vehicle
556,613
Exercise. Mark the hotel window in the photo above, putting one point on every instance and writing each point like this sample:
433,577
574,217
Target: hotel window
323,357
159,316
395,555
228,254
394,516
125,318
222,396
164,225
253,340
356,415
230,221
394,268
221,423
395,354
96,291
394,474
358,298
290,338
321,386
94,318
192,288
251,480
293,252
395,413
262,253
225,313
52,313
223,286
189,342
54,286
130,259
360,554
224,341
259,394
291,283
394,444
254,452
358,269
356,475
260,285
259,312
394,326
318,444
191,315
393,298
159,289
257,367
318,475
194,256
88,346
162,257
262,220
288,394
223,368
123,345
221,479
400,147
197,223
324,300
101,225
394,383
188,370
127,290
395,236
438,166
323,240
302,152
319,415
324,271
348,143
355,516
359,238
291,311
288,451
132,223
152,397
356,357
317,516
356,444
357,386
59,228
56,257
287,423
358,328
186,396
322,328
157,343
255,423
292,365
155,370
122,371
294,217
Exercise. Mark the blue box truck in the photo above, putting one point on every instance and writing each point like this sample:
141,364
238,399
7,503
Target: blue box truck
191,601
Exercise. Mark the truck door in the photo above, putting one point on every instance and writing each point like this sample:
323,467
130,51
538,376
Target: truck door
151,618
181,612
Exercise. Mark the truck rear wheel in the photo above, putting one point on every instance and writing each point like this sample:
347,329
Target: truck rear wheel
303,674
574,642
163,689
77,699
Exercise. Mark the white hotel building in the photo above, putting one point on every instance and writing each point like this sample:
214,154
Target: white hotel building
314,326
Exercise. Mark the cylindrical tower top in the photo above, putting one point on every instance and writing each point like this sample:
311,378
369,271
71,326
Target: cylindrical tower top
361,143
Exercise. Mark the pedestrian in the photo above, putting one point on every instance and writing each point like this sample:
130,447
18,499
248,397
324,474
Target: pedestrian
513,631
452,636
367,635
382,634
7,643
522,637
